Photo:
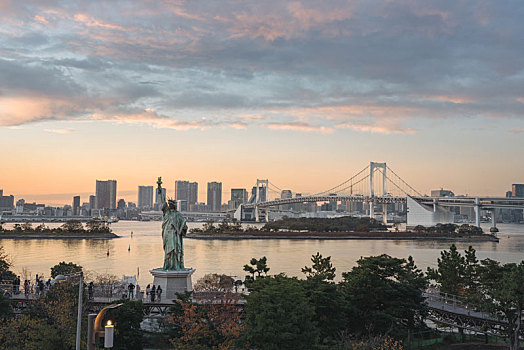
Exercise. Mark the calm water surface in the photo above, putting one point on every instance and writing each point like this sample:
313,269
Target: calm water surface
223,256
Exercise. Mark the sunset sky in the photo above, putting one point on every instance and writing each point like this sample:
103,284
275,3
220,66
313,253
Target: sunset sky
304,93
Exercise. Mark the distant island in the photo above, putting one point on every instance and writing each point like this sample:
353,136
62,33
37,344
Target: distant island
70,229
346,227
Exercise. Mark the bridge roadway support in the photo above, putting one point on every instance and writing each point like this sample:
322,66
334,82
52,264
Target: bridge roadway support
372,167
384,213
477,211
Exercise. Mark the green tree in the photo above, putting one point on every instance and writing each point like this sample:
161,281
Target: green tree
384,296
5,307
322,268
127,319
502,287
26,333
5,264
279,315
450,271
64,268
257,267
72,226
58,308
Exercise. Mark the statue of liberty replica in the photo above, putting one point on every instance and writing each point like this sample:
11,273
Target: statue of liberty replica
173,229
173,277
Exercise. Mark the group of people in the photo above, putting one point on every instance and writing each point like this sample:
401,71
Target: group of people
153,293
38,287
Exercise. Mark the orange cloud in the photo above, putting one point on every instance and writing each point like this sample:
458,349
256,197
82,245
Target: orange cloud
300,126
376,128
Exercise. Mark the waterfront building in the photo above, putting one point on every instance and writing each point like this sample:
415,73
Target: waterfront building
214,196
145,197
442,193
105,194
517,190
76,205
238,196
186,191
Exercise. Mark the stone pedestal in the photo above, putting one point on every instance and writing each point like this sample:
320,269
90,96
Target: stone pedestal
172,282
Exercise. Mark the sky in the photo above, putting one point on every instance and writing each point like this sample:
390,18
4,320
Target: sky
303,93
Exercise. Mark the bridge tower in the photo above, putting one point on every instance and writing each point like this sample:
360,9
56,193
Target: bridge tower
258,198
382,167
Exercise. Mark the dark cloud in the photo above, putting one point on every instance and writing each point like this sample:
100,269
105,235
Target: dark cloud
356,58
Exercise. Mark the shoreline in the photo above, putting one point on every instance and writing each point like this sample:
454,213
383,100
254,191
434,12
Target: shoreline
58,236
345,236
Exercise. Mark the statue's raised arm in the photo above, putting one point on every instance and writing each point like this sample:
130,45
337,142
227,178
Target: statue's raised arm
160,192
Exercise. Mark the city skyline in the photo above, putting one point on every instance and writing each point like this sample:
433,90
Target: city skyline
134,196
301,93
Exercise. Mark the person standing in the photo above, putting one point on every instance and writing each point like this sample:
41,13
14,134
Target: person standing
153,292
159,293
131,291
138,296
148,292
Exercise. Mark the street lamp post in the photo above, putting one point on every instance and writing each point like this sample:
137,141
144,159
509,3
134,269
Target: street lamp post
80,292
79,316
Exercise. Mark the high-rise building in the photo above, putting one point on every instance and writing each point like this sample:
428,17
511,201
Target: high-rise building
214,196
517,190
145,197
261,193
238,196
76,205
6,202
121,204
158,199
92,202
186,191
106,194
286,194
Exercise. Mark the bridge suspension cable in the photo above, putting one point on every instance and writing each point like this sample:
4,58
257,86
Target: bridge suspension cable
275,186
354,183
343,183
405,183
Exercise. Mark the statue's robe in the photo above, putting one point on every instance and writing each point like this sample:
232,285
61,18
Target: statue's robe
173,227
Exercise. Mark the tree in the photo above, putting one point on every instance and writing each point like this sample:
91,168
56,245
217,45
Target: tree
257,267
384,296
5,307
213,282
64,268
450,271
58,308
322,268
26,333
72,226
502,287
127,319
279,315
5,264
207,325
27,226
